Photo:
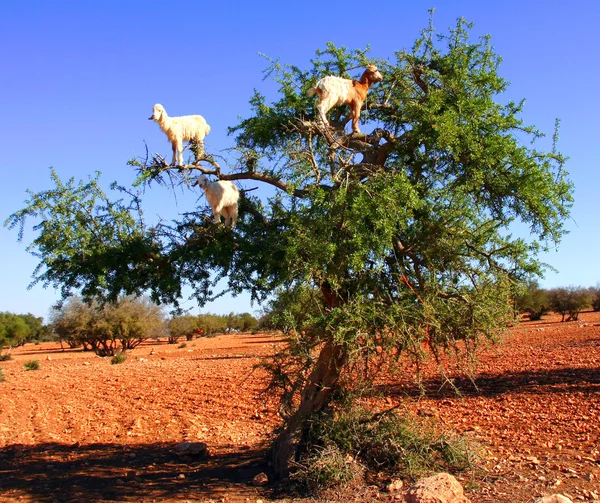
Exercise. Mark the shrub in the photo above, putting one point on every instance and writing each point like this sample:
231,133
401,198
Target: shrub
32,365
595,297
5,357
327,467
104,327
533,301
2,378
354,440
118,358
570,300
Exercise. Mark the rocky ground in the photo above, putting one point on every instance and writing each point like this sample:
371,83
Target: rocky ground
80,429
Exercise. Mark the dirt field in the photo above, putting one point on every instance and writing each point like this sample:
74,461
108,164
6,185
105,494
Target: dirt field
82,430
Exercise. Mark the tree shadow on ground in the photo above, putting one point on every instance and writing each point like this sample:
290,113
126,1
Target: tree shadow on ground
62,473
563,380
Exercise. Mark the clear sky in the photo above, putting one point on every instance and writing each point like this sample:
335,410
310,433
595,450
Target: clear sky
78,80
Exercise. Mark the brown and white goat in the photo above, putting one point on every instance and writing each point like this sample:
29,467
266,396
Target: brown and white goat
334,91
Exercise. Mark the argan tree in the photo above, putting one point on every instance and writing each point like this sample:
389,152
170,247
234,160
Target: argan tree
107,328
396,238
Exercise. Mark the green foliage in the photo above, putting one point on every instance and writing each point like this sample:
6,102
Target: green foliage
569,301
2,376
595,297
212,324
352,440
32,365
533,300
84,235
14,330
120,357
246,322
327,467
182,326
5,357
105,328
209,325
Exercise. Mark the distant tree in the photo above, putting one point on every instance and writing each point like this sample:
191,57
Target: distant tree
247,322
135,319
401,233
232,322
534,301
104,328
182,326
212,324
14,330
595,297
569,301
38,329
294,310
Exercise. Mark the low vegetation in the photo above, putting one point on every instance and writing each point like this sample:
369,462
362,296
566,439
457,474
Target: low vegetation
32,365
118,358
354,442
568,301
109,328
17,329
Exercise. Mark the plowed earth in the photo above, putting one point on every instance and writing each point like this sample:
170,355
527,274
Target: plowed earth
82,430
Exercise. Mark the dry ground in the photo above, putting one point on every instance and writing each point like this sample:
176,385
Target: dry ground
82,430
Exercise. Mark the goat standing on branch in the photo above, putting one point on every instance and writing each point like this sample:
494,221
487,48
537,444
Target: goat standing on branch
179,129
222,196
334,91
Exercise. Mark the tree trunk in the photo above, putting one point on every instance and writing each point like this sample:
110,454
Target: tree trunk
315,395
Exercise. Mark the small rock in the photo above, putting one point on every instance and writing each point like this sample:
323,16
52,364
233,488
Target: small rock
181,476
260,479
190,448
440,488
554,498
395,485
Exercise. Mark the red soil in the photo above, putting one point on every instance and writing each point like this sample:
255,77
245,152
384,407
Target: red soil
80,429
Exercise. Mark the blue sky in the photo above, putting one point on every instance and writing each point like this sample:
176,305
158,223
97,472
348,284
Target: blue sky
78,80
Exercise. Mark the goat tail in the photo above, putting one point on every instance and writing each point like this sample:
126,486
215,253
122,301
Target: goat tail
314,90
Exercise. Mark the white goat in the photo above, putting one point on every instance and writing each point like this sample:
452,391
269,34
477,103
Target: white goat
334,91
222,196
179,129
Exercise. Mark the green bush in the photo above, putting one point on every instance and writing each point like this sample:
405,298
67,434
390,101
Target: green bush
569,301
356,440
326,467
118,358
5,357
32,365
533,301
2,378
595,297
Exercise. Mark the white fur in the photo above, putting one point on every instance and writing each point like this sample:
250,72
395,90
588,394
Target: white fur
334,91
222,196
180,129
